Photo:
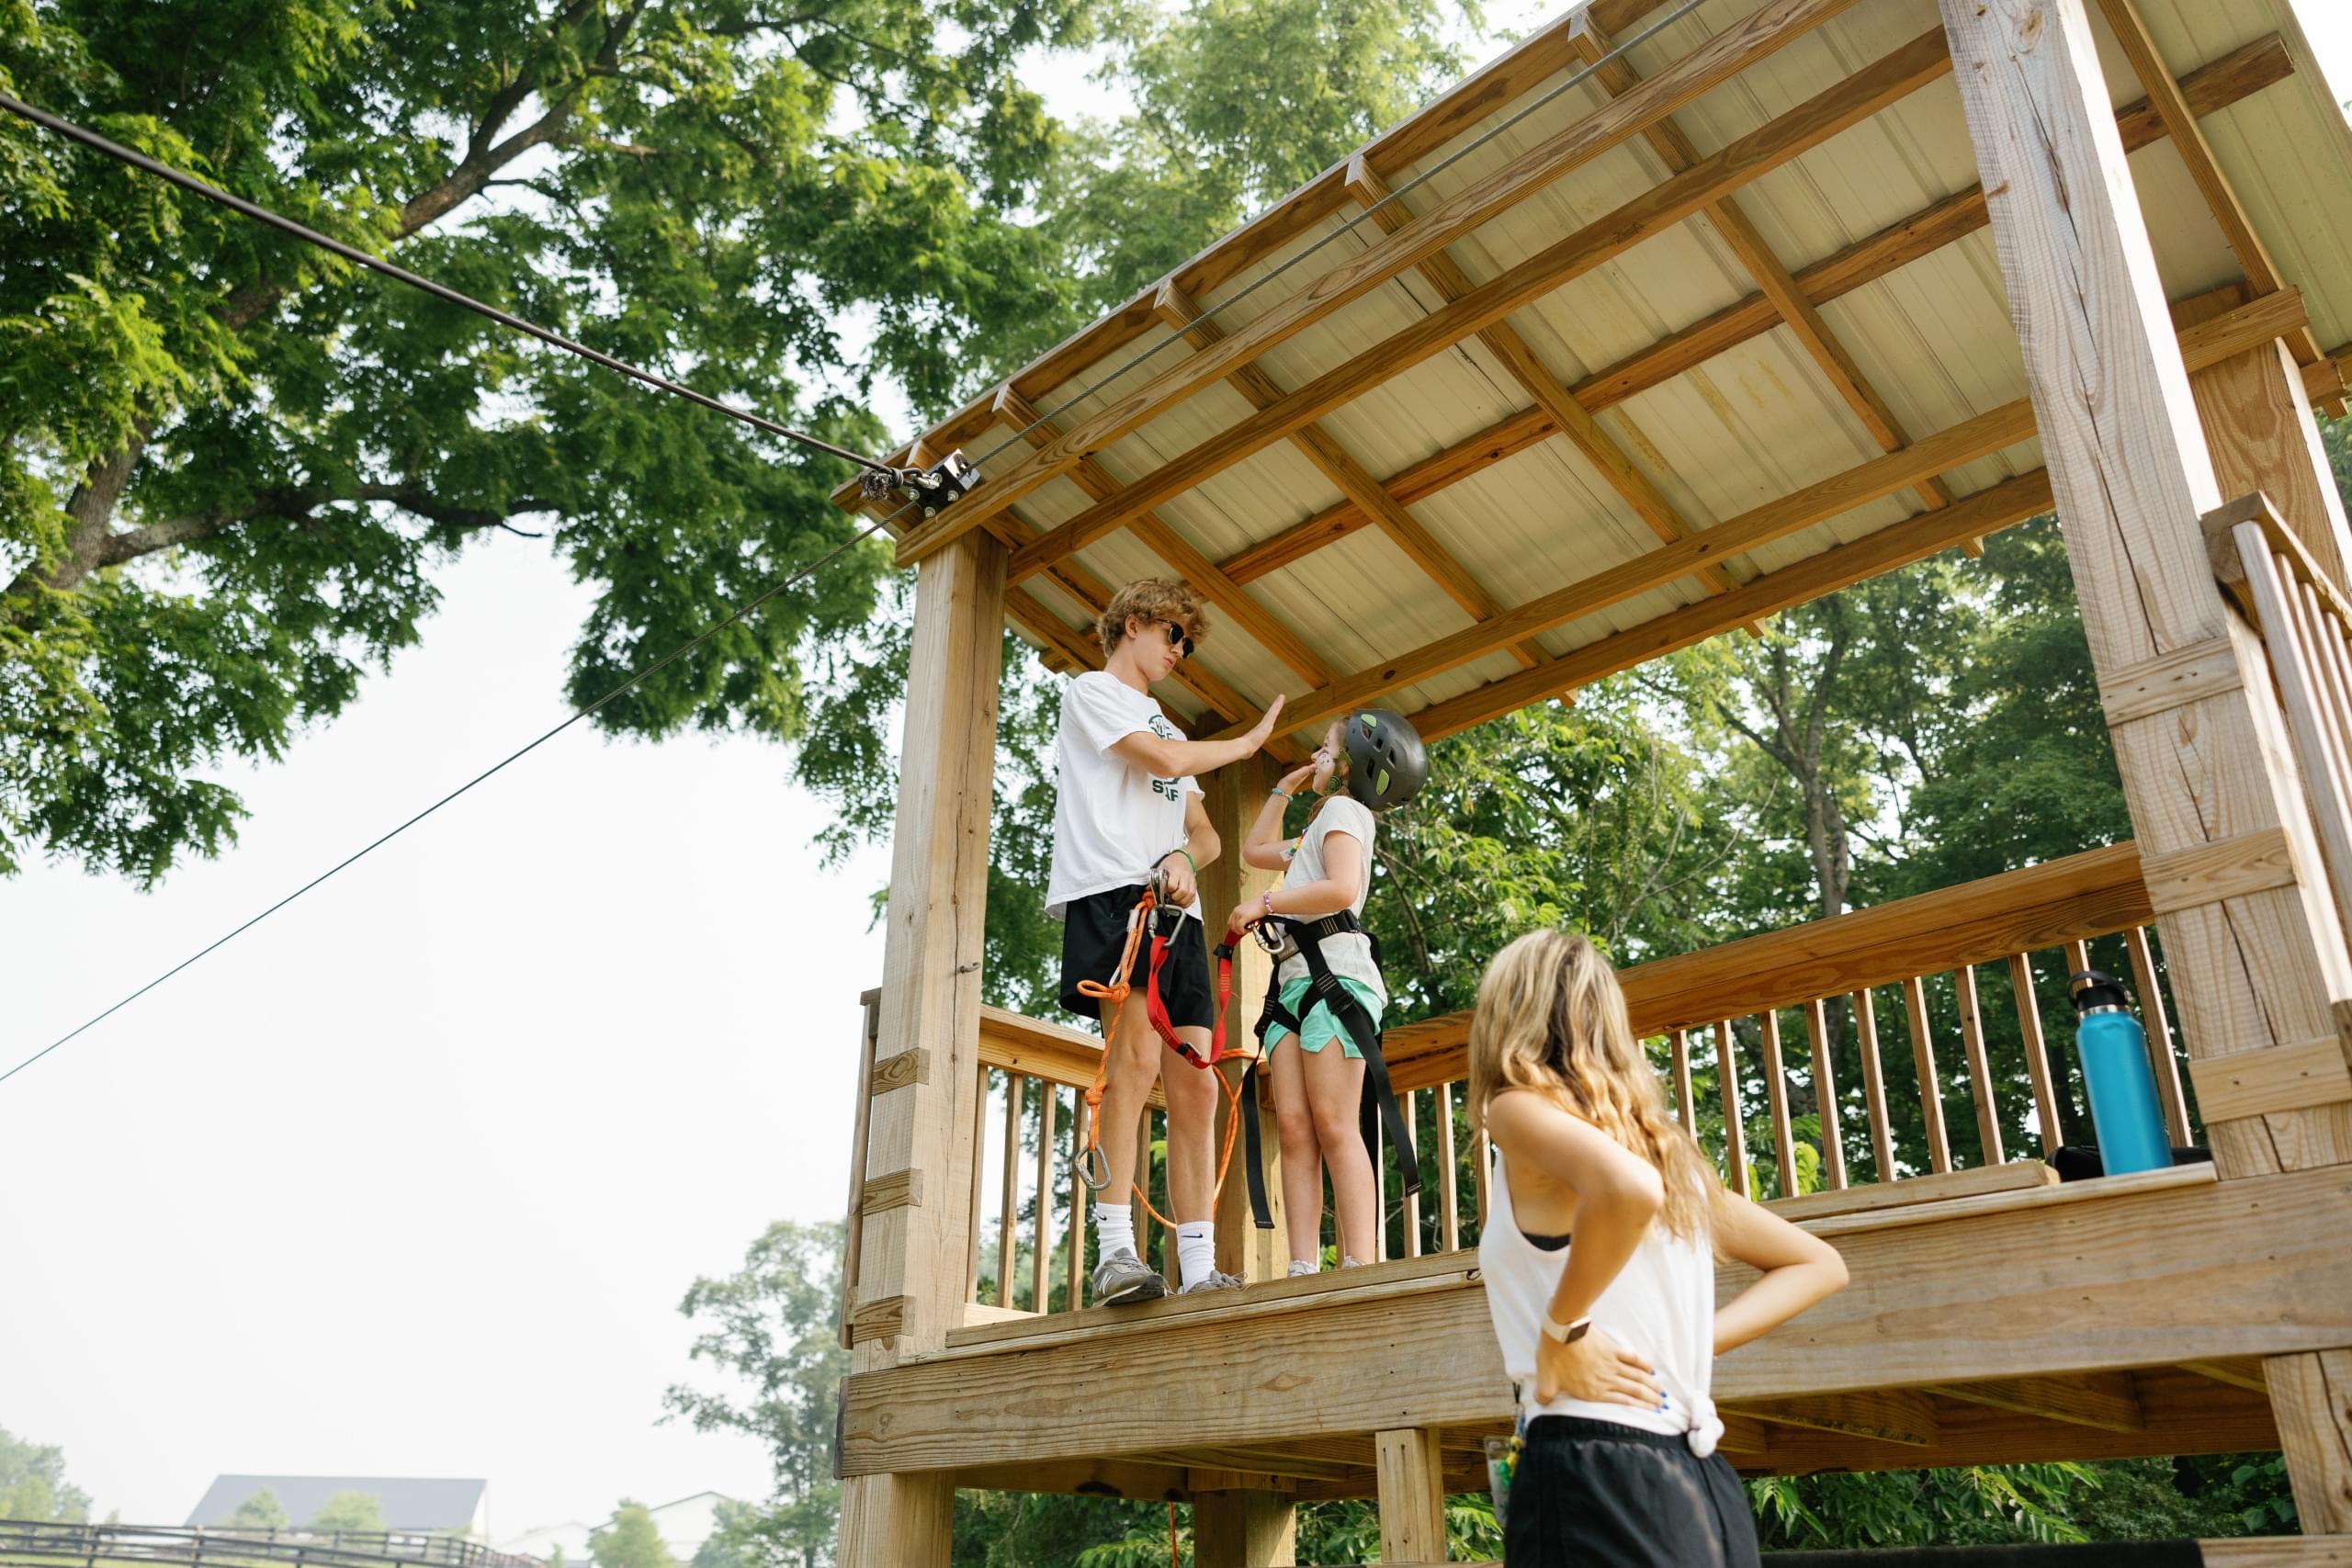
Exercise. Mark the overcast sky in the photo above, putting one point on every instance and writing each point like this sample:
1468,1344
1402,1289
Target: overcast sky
409,1180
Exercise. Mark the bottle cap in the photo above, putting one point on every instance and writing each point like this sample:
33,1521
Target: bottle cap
2097,989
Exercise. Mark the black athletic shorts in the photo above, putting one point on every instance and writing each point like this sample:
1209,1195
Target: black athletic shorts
1597,1494
1094,932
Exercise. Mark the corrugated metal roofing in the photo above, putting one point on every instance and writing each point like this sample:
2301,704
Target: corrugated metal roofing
1746,426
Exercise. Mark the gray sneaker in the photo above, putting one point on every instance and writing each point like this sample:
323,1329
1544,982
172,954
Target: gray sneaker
1122,1280
1213,1281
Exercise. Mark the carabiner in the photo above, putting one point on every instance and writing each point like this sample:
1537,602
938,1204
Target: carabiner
1095,1169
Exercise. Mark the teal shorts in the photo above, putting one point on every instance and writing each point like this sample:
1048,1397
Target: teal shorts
1319,1027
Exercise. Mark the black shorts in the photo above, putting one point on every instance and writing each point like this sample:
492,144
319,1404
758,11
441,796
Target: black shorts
1094,932
1599,1495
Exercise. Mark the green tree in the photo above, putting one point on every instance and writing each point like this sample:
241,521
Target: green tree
629,1541
352,1510
33,1484
230,467
772,1328
262,1511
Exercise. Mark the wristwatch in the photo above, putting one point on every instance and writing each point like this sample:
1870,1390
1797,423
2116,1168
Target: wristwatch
1566,1333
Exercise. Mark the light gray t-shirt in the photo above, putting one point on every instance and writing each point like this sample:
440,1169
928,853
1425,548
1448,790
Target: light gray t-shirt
1349,956
1113,821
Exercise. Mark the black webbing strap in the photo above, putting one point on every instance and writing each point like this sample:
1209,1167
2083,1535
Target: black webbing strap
1379,1108
1254,1160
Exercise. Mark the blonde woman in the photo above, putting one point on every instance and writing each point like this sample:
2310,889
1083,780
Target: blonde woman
1603,1224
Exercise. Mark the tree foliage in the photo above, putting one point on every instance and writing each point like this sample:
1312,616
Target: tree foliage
33,1484
262,1511
770,1328
350,1509
231,465
629,1541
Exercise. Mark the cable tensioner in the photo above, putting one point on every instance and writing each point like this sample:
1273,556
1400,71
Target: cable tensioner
932,488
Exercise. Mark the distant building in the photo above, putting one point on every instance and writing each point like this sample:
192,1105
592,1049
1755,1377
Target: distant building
411,1505
683,1526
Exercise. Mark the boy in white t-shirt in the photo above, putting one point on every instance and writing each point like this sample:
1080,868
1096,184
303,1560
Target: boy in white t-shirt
1127,805
1370,760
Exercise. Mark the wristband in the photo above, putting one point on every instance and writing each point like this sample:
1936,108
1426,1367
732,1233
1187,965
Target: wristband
1269,896
1179,851
1566,1333
1283,793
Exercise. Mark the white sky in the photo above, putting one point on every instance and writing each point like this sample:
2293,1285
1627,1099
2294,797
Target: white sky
409,1180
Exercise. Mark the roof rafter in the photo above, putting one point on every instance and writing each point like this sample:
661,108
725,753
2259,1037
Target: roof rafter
1848,103
1747,243
1339,465
1568,416
2212,87
1986,434
2188,140
1759,34
1170,546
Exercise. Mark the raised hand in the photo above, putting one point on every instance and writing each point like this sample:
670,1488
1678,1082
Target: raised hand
1263,730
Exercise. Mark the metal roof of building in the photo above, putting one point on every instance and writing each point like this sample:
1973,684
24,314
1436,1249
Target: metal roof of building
1669,346
408,1503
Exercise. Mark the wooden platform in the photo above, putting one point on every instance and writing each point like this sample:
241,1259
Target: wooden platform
2103,1332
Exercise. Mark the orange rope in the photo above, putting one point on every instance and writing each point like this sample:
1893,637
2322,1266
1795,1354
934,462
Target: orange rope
1116,994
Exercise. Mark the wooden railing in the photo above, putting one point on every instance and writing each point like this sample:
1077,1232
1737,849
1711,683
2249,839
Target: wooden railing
1844,997
2306,628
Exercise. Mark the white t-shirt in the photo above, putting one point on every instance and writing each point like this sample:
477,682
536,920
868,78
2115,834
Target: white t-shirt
1113,821
1350,955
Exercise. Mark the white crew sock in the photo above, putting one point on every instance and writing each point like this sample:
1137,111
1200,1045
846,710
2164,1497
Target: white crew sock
1115,1228
1196,1250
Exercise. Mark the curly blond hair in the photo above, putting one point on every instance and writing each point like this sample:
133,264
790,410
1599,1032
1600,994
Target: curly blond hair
1551,1018
1151,599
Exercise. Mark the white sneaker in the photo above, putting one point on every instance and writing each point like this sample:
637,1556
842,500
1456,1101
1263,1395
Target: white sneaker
1213,1281
1122,1280
1300,1268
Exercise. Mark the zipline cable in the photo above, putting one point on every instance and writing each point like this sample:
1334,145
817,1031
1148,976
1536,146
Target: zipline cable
284,224
656,667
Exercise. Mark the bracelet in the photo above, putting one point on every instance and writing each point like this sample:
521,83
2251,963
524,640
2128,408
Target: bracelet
1179,849
1269,896
1283,793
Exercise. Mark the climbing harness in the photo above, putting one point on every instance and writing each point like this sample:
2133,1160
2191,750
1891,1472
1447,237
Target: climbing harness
1286,939
1164,918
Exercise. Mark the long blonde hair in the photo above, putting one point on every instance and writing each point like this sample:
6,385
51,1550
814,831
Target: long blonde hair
1551,1018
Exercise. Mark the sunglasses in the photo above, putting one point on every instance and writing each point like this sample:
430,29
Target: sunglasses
1176,637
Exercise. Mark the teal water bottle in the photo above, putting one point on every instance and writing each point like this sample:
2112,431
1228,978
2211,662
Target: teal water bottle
2117,1077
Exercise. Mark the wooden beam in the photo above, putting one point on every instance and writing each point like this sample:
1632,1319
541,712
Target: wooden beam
1170,546
2215,86
1485,92
1556,402
1243,1528
2133,473
1413,1495
1748,244
2172,107
1234,796
1755,37
1848,103
2129,1276
1339,465
2310,1396
1886,1415
2109,1400
912,1258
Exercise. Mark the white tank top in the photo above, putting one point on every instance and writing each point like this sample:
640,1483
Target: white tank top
1662,1305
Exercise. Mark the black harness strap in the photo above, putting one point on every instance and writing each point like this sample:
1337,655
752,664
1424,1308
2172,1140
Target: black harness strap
1253,1158
1378,1109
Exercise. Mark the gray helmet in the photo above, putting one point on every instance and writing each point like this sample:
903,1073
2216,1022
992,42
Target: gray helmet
1387,764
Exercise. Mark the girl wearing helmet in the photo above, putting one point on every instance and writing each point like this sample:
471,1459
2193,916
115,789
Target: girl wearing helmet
1369,761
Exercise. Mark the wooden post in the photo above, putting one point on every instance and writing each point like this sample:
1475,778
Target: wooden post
1448,1234
1413,1495
1232,797
1923,1060
1008,1221
1041,1285
1874,1084
913,1257
1244,1530
2256,947
1734,1130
